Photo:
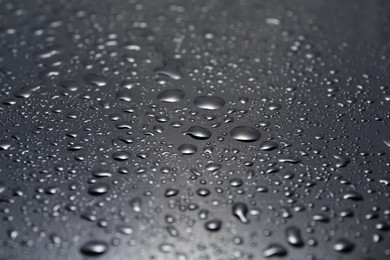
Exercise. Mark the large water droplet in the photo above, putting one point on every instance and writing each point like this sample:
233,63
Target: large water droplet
4,145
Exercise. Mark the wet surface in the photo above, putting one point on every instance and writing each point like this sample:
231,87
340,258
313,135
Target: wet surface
195,129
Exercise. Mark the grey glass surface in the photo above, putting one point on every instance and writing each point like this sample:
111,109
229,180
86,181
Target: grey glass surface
195,129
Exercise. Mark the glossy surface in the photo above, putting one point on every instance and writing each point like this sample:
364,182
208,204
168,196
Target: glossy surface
195,129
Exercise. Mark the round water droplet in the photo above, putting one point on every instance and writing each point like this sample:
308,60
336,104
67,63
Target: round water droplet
209,103
213,225
203,192
245,134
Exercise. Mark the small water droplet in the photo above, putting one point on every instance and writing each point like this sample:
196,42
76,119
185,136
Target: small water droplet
171,95
94,248
245,134
98,189
121,155
344,246
240,210
294,237
198,132
213,225
187,149
274,250
209,103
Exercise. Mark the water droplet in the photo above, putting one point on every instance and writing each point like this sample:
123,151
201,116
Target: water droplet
198,132
95,80
4,145
121,155
268,145
171,95
353,195
209,103
294,237
213,225
171,192
170,69
101,173
344,246
245,134
124,229
99,189
240,210
187,149
26,92
70,85
274,250
135,204
386,141
343,160
94,248
212,167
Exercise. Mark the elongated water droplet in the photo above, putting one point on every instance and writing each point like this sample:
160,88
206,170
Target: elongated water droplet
94,248
198,132
245,134
240,210
294,237
209,103
171,95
